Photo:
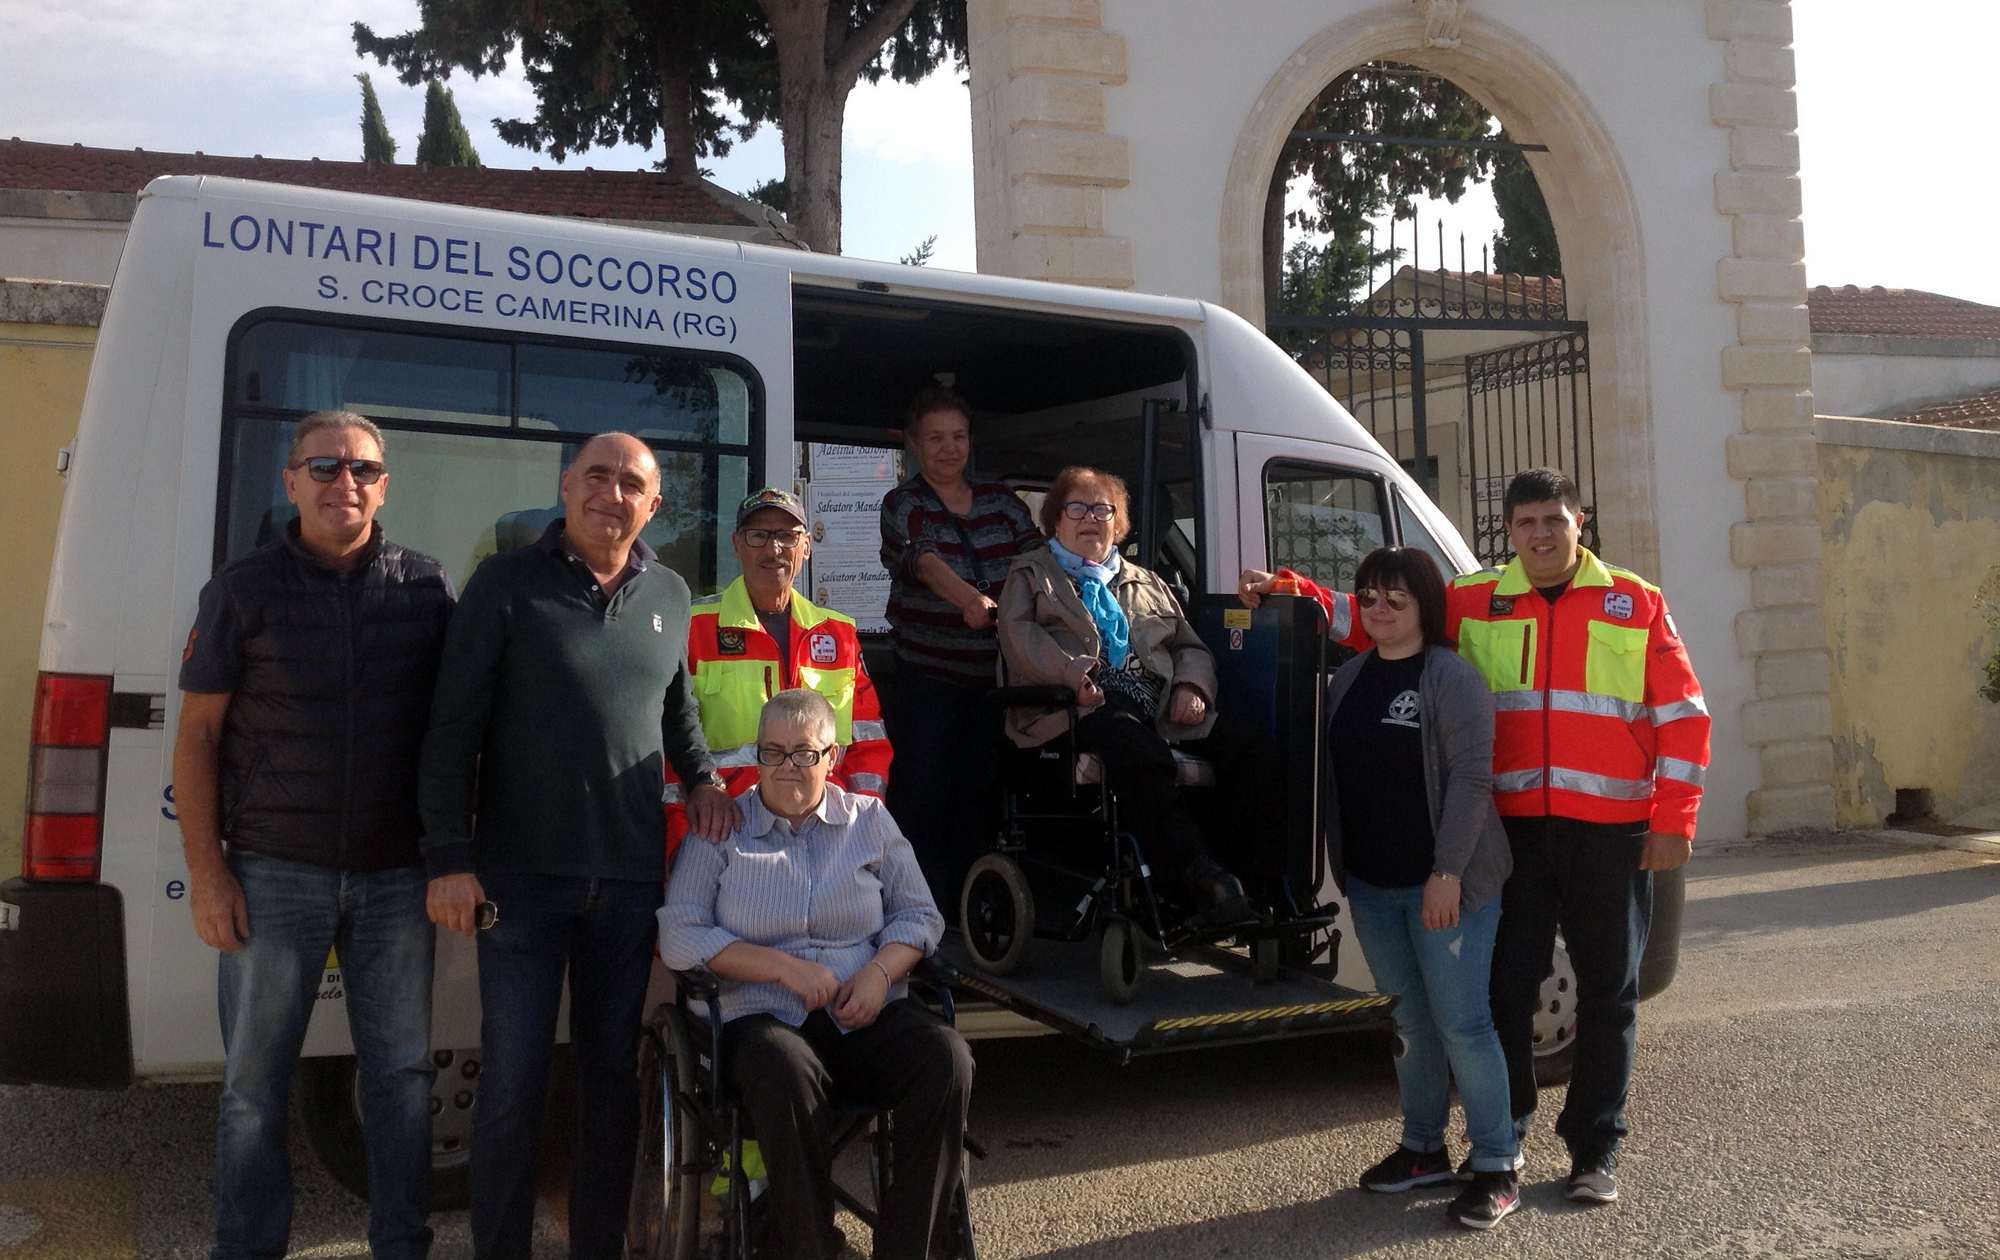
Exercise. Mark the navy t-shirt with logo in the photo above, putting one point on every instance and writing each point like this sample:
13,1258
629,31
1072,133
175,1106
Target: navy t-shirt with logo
1376,741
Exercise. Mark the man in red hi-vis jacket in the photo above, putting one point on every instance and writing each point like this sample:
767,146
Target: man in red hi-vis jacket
1600,745
759,637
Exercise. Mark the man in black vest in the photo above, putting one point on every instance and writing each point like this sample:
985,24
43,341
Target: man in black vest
306,687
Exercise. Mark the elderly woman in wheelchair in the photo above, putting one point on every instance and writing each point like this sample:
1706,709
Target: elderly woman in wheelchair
1080,616
811,916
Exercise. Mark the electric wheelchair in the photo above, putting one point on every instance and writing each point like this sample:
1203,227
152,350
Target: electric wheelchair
693,1129
1062,866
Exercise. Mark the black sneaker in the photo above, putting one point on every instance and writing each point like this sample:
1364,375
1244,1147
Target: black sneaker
1593,1177
1405,1169
1464,1172
1487,1201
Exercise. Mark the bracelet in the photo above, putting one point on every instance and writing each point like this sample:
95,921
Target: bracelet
876,963
1444,875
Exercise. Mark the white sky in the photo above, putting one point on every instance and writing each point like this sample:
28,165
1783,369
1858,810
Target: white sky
1894,117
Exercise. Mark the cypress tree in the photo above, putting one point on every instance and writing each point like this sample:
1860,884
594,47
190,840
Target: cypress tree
445,141
377,145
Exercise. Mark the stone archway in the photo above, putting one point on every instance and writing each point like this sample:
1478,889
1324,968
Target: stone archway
1589,197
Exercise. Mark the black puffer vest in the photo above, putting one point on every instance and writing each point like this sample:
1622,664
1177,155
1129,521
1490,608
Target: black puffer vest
319,749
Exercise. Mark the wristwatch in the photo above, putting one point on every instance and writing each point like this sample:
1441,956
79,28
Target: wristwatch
709,778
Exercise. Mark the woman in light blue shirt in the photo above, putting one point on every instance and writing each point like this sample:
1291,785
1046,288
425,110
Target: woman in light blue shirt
811,914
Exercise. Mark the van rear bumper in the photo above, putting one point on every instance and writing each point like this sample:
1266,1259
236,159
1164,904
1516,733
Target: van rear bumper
63,1002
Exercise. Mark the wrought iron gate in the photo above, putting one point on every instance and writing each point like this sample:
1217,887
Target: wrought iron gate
1504,342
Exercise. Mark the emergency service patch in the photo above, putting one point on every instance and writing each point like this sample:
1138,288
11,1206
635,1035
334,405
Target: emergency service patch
729,641
1618,604
825,650
1500,605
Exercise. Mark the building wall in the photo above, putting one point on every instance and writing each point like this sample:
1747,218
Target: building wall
1881,376
43,367
1911,523
1113,145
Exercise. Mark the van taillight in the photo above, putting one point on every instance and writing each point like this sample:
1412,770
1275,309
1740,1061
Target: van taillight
66,757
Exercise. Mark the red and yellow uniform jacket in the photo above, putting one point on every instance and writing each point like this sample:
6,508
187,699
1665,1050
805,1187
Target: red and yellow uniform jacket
734,667
1599,716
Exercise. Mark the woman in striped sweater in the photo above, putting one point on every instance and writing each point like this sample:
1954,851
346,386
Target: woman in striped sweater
947,541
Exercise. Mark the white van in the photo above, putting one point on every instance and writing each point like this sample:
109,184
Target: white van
488,345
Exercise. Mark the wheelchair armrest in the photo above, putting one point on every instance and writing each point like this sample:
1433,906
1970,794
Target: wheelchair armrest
928,985
698,984
1034,697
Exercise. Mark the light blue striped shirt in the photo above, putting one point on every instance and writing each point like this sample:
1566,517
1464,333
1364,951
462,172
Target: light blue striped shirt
834,891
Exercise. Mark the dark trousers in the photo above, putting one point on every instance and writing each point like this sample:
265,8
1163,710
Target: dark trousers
599,931
1585,879
1139,767
908,1061
943,789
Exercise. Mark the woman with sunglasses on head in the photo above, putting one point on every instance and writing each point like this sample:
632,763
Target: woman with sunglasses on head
1417,846
1078,615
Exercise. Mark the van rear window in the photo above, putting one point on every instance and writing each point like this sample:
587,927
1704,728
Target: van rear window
479,429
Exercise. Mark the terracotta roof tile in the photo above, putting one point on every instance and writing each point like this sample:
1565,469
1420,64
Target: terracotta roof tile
1876,311
1975,411
633,196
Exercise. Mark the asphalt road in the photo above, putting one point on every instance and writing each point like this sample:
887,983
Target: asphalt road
1822,1080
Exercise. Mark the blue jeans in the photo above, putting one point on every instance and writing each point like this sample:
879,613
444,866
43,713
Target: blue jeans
1584,878
266,993
601,932
1443,1017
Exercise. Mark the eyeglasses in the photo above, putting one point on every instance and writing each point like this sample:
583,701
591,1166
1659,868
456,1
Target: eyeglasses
366,472
772,755
1077,509
787,539
1368,597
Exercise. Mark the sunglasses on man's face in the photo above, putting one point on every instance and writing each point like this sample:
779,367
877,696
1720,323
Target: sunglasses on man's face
366,472
1369,596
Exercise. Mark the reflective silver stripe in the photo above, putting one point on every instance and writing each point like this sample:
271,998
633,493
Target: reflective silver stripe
1517,781
1679,771
1343,615
865,783
1569,702
736,758
1693,706
1600,706
1564,779
869,730
670,794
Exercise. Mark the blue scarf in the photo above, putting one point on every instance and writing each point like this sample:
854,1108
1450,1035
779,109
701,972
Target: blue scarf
1093,584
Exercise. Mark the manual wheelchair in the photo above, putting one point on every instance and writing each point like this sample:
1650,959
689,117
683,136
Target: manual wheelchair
1064,867
693,1128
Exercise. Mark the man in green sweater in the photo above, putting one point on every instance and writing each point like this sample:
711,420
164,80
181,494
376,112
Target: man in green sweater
562,694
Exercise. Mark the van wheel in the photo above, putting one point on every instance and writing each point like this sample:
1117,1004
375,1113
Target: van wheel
996,914
328,1101
1555,1022
1118,961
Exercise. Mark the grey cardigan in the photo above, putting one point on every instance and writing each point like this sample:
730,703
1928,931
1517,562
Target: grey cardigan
1457,713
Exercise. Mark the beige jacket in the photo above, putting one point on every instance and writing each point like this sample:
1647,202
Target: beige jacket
1044,627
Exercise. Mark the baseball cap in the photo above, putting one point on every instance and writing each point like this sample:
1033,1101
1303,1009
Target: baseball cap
772,497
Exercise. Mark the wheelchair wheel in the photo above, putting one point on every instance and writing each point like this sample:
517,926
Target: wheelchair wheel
665,1208
996,913
1118,961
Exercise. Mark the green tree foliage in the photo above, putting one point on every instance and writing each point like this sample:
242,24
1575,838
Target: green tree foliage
1526,241
377,145
444,141
611,71
921,255
1353,183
